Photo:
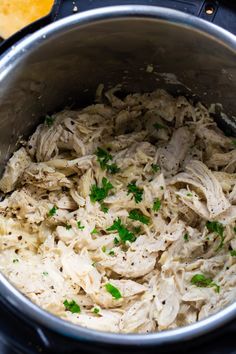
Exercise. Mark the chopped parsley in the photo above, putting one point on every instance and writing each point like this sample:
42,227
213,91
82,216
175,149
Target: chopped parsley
95,231
136,214
235,229
111,252
201,281
136,191
156,204
45,273
99,193
124,233
103,157
72,306
215,226
155,167
52,211
15,260
218,228
158,126
80,226
49,120
162,188
186,237
113,168
104,208
96,310
68,227
137,229
115,292
189,195
116,241
234,142
233,253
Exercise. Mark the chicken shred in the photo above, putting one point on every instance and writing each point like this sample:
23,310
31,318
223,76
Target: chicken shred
111,214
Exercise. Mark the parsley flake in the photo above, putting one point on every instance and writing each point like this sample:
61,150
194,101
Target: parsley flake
136,214
137,229
235,229
68,227
104,208
201,281
116,241
136,191
80,227
15,260
52,211
113,168
103,157
155,167
95,231
99,193
156,204
49,120
234,142
45,273
233,253
158,126
104,249
186,237
72,306
115,292
96,310
218,228
189,194
124,233
111,253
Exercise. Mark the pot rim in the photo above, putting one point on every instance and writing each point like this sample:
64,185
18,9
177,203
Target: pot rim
10,59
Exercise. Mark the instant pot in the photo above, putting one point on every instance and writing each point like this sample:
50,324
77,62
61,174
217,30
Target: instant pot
59,61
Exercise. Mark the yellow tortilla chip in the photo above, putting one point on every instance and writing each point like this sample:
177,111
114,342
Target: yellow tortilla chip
16,14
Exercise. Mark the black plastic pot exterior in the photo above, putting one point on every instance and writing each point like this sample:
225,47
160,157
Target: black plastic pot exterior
64,63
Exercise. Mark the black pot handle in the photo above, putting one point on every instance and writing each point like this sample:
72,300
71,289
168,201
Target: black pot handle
221,13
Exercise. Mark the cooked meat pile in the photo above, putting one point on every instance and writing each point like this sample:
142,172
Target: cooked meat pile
121,216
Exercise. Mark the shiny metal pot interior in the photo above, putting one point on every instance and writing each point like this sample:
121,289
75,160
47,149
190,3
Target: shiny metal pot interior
64,62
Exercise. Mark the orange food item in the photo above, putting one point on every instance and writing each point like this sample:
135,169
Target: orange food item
16,14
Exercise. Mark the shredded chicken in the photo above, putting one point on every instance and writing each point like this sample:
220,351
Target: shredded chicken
121,216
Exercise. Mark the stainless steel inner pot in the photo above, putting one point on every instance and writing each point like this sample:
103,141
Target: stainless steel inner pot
64,63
